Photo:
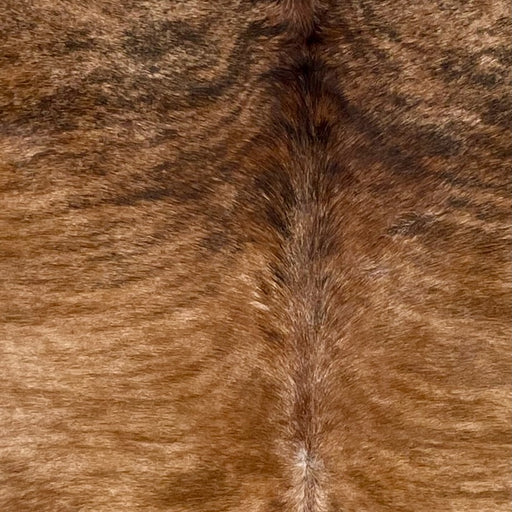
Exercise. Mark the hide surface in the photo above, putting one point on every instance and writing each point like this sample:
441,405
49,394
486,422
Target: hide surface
254,256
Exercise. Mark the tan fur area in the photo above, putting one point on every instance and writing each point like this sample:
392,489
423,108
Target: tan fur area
255,256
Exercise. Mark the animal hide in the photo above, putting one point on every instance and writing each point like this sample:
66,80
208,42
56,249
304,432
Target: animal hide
254,256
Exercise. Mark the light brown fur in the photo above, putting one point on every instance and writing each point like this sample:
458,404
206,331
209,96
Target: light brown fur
254,256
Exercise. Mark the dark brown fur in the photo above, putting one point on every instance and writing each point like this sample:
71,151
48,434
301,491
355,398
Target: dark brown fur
254,256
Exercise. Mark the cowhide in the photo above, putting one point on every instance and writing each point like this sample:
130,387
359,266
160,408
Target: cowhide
255,256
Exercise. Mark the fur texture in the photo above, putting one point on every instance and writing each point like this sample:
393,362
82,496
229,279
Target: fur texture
254,256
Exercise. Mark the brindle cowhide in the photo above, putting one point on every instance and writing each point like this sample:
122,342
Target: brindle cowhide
255,256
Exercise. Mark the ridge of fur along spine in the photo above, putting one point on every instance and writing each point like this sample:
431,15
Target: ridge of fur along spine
300,189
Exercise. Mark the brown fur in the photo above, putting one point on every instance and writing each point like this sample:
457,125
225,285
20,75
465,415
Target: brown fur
254,256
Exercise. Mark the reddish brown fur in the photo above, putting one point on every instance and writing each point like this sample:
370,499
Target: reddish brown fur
255,256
